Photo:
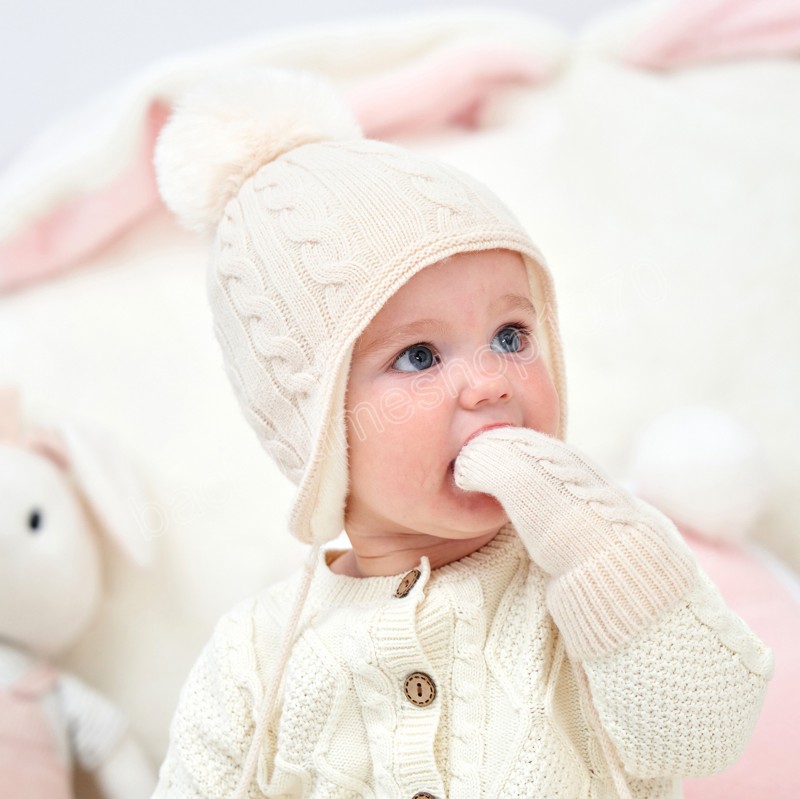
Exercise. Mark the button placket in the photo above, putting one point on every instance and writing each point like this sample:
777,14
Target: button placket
398,654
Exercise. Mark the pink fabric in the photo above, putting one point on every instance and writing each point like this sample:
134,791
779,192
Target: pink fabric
769,767
76,229
696,31
30,764
14,433
10,415
448,89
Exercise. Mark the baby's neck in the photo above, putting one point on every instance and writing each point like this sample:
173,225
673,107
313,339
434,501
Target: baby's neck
379,557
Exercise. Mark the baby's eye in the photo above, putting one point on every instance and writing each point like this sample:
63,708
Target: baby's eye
510,339
415,359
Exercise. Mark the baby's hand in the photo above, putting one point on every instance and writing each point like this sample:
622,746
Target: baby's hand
556,498
616,561
503,459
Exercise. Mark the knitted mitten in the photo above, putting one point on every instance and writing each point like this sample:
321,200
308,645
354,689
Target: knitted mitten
615,563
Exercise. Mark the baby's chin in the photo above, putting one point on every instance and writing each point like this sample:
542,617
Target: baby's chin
477,513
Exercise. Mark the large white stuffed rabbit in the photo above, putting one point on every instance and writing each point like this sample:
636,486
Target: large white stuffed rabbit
57,490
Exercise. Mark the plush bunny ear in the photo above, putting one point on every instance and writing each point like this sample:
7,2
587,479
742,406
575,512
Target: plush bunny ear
225,130
10,414
14,431
112,488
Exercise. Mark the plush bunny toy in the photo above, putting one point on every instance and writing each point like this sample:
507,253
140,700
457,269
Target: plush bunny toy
55,489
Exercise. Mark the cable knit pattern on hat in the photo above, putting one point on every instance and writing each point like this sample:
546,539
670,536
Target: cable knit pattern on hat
371,216
308,247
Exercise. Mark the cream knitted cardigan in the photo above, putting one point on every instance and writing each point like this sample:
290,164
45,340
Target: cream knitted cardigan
578,654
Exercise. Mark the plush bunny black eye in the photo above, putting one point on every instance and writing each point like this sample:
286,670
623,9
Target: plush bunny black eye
35,520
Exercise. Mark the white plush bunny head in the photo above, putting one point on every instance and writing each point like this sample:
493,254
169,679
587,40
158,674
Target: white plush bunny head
57,491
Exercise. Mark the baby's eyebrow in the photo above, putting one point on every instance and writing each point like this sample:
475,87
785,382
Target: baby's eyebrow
419,328
515,302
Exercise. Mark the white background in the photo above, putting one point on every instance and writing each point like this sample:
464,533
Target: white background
57,56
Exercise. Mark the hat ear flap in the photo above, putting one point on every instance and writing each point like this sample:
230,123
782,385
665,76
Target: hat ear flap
112,488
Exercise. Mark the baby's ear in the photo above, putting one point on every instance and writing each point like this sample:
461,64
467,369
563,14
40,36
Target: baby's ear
111,486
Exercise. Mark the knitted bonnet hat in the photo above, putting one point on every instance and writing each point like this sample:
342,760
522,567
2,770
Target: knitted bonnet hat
315,227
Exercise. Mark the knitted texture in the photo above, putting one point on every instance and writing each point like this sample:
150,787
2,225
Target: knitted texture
307,253
678,697
228,127
615,563
308,249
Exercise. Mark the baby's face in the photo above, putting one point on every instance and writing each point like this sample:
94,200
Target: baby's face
452,352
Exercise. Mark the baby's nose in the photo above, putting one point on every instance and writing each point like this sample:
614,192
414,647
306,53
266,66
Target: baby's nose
485,389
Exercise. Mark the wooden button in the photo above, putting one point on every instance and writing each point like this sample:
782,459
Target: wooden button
407,583
423,795
420,689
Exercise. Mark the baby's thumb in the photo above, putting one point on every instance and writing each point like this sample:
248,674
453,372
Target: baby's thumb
488,463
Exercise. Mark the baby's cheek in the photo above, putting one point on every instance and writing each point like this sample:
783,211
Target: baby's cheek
429,393
412,406
397,406
397,427
552,410
543,411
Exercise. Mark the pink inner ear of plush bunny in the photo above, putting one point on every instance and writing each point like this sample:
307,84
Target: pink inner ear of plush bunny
47,443
10,415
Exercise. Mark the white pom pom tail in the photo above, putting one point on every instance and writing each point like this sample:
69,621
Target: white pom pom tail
703,469
225,130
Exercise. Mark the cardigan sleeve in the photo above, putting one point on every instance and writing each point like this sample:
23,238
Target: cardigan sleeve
214,723
668,664
681,699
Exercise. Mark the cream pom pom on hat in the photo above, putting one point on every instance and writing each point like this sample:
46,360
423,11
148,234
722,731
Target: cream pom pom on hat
314,228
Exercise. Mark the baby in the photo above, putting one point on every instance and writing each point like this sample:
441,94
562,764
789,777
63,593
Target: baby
508,621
